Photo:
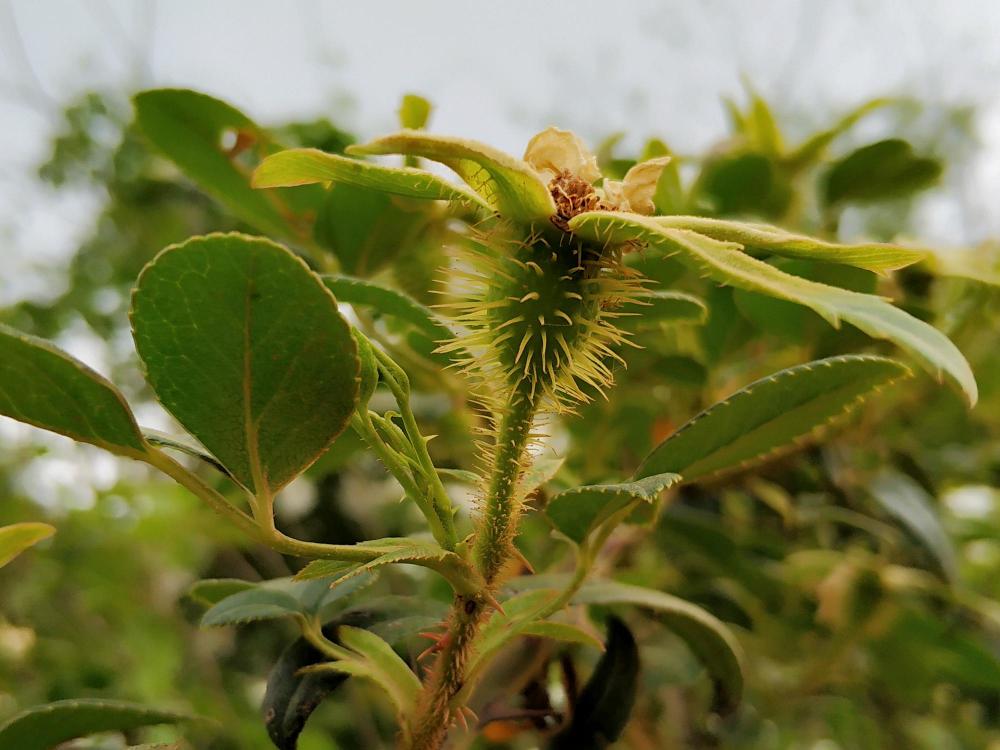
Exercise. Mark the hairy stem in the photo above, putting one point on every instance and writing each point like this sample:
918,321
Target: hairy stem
435,711
502,507
492,549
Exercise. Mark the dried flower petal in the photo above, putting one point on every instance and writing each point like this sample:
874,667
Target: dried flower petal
613,194
554,151
639,185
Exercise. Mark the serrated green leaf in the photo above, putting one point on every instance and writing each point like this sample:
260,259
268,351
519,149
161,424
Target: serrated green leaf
659,306
317,569
561,631
419,553
510,186
605,704
726,264
909,504
245,346
541,471
232,601
518,611
307,166
254,604
394,550
872,256
44,727
45,387
188,127
17,537
878,171
389,302
578,511
377,662
770,414
707,637
211,591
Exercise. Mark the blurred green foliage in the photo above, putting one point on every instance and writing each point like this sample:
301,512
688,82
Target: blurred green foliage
860,575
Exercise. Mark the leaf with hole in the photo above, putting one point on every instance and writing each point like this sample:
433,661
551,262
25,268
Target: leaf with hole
245,346
727,264
189,127
43,386
769,415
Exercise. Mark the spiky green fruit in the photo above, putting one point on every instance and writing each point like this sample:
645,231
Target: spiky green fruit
540,313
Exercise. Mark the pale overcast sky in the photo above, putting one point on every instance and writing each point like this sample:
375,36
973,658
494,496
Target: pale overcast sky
496,71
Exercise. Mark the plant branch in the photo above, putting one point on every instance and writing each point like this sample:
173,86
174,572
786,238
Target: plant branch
498,522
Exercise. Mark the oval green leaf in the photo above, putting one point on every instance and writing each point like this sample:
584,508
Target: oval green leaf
245,346
45,387
258,603
44,727
879,171
770,414
510,186
726,264
707,637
